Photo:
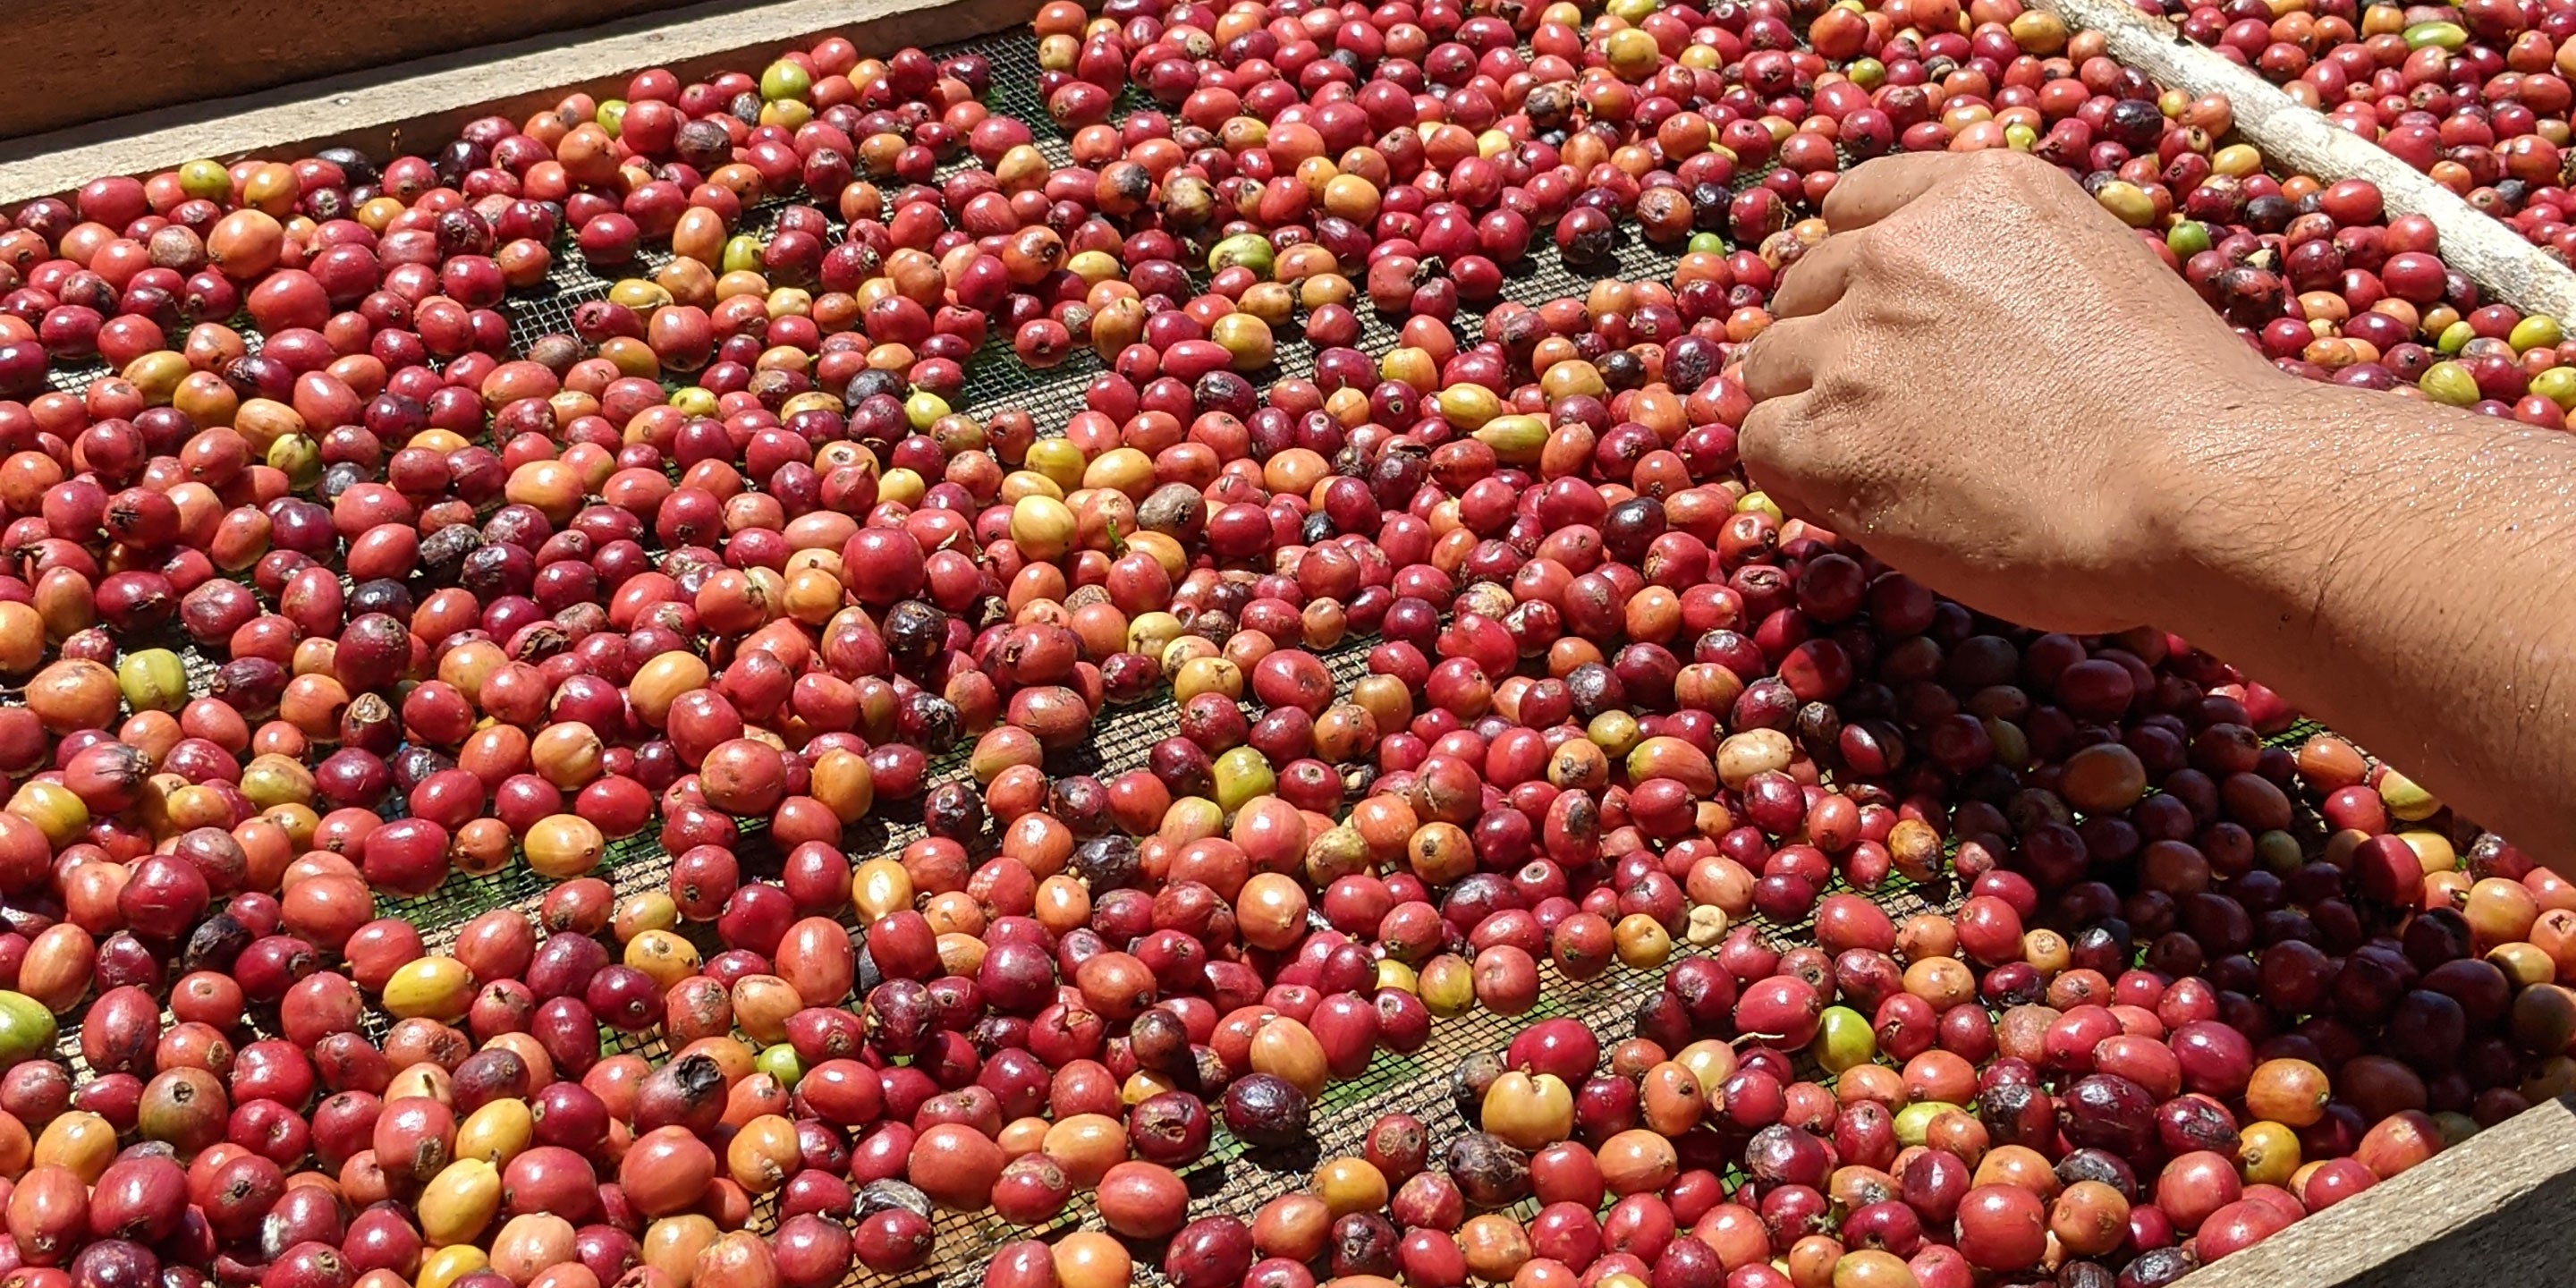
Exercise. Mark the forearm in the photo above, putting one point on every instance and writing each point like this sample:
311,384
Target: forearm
2405,573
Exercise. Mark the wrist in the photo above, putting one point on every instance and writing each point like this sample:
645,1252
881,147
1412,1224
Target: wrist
2252,485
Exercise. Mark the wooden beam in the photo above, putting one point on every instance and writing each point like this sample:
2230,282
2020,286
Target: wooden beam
428,100
119,57
2299,138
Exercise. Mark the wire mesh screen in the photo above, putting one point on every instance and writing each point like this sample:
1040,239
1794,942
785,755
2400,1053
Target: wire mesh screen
1232,1177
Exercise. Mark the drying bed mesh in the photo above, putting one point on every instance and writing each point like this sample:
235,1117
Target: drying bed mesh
1232,1178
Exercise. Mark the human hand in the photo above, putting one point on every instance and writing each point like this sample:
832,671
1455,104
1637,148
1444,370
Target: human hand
1983,377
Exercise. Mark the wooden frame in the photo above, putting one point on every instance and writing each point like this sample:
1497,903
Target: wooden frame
2494,1212
430,98
128,56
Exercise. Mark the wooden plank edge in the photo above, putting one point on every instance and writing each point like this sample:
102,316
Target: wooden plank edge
2449,1195
425,101
2493,255
130,61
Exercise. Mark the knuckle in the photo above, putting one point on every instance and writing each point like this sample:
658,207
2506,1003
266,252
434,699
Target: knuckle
1896,247
1764,426
1757,355
1868,171
1840,389
2009,161
2002,173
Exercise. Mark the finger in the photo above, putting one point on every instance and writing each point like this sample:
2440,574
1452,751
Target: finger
1782,360
1777,453
1878,188
1818,279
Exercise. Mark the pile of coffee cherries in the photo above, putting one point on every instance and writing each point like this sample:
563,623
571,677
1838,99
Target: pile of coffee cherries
735,565
2475,95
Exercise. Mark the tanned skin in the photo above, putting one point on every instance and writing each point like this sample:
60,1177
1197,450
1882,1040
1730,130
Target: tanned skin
1989,382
